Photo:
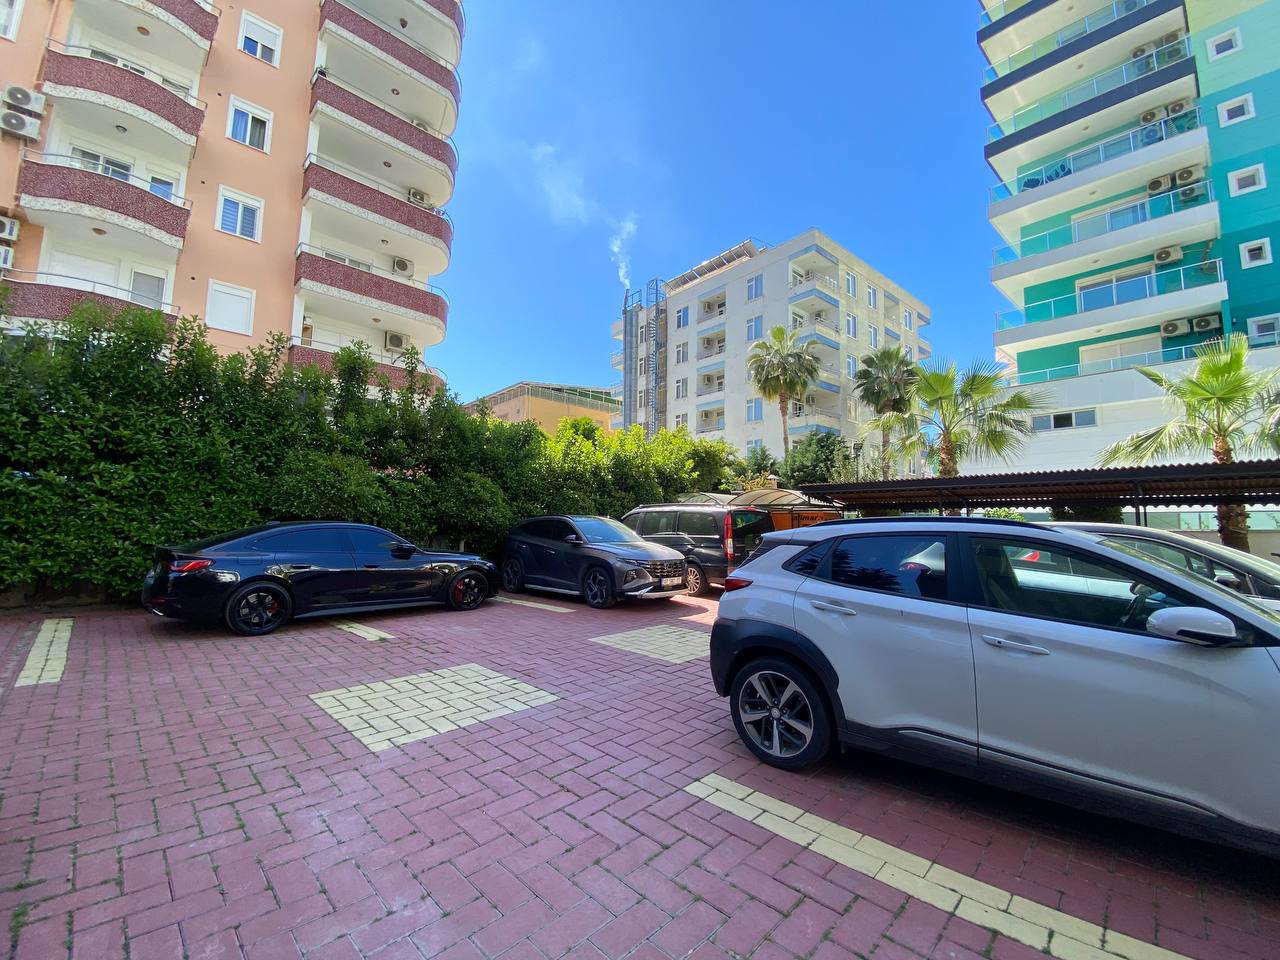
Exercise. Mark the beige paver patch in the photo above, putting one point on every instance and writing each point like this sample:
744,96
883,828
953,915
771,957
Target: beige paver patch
1033,924
48,655
361,630
533,603
662,642
390,713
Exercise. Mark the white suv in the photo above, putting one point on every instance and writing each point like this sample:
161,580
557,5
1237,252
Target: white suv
1029,656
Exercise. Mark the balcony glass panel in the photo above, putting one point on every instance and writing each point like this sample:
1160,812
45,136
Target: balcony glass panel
992,14
1071,32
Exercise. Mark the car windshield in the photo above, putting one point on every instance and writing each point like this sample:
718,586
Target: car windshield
606,530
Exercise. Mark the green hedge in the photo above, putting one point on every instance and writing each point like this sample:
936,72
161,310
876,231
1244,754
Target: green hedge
122,433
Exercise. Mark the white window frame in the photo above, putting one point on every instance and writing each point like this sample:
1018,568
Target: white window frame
244,199
232,288
12,32
751,326
755,410
682,388
908,318
851,284
851,366
682,420
1252,324
1073,414
253,110
1245,101
1235,175
873,297
1246,263
252,19
682,353
755,287
873,336
1212,43
851,325
682,317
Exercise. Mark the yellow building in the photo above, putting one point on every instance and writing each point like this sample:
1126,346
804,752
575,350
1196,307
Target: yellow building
549,403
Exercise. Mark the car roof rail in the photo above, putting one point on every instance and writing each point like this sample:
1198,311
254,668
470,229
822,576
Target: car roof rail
918,518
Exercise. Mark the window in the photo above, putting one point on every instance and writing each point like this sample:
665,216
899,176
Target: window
682,353
163,186
755,287
1240,182
850,325
756,444
755,328
249,125
1264,329
1235,111
682,420
10,14
239,214
1069,420
699,523
259,39
908,319
682,317
906,350
1023,577
755,410
640,398
97,163
368,540
808,562
642,367
657,521
315,540
229,308
547,528
349,261
873,297
873,336
1256,253
851,366
682,388
851,284
910,566
1196,563
1224,44
147,289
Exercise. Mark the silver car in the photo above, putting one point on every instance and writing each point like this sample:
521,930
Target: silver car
1030,656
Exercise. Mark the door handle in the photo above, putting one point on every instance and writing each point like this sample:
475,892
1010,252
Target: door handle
372,566
834,608
1014,645
297,566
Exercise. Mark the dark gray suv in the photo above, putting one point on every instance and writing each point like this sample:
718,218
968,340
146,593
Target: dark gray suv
594,557
712,538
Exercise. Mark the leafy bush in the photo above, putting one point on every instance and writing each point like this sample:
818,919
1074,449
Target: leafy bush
1002,513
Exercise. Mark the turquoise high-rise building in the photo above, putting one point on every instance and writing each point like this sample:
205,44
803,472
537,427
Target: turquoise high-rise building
1137,148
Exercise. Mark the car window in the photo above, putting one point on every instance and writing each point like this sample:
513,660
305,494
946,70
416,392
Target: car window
632,520
602,530
1024,577
544,527
366,540
1182,559
314,540
748,527
911,566
657,521
700,523
807,563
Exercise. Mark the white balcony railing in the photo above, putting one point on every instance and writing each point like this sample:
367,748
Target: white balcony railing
1151,359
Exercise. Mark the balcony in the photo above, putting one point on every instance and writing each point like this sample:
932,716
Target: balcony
617,390
1121,233
162,117
173,31
617,359
59,192
819,331
366,134
816,287
375,216
438,25
318,349
829,378
368,299
377,56
1115,364
710,388
711,311
45,297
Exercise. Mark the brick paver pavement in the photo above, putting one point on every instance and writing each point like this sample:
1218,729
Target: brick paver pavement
179,792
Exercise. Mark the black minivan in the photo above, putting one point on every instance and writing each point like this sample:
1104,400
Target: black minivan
713,538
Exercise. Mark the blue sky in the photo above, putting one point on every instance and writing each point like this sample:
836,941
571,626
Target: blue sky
672,129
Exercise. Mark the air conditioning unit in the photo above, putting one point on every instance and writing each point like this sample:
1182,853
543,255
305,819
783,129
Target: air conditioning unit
1206,323
419,198
1179,107
422,125
401,267
1193,174
1175,328
8,228
1152,115
1167,255
24,99
19,125
1193,191
396,342
1169,38
1139,52
6,258
1160,184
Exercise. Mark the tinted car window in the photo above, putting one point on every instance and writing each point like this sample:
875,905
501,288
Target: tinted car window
911,566
603,530
548,528
748,527
657,521
1169,554
364,540
700,523
808,562
315,540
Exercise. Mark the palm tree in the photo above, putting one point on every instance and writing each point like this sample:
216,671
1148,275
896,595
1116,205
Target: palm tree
884,382
954,415
782,368
1220,407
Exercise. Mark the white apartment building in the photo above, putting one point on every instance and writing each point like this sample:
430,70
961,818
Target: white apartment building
685,341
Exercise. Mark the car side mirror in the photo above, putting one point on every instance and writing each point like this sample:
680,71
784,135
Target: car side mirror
573,539
403,551
1199,625
1227,579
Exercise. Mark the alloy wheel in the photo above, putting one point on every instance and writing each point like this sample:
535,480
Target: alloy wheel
260,611
511,575
693,580
775,713
596,588
468,591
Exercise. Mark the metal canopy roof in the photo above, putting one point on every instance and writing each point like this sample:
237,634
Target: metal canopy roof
1183,484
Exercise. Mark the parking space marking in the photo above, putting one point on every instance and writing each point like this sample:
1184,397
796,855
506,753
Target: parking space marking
48,655
391,713
662,642
533,603
1040,927
360,630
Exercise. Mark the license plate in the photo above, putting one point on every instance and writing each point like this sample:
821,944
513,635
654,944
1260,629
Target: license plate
672,581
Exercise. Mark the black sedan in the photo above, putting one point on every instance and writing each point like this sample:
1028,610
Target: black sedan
595,557
256,579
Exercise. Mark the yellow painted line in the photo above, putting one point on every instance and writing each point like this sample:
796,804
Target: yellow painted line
531,603
1043,928
48,655
360,630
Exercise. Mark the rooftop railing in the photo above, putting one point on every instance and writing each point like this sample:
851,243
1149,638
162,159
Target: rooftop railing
1072,31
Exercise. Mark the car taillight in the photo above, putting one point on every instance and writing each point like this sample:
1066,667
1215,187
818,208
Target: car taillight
187,566
735,583
728,537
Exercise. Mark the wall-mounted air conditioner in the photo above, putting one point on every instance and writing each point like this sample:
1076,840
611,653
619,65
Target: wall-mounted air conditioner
1160,184
1139,52
396,342
6,258
1168,255
1192,174
1206,324
24,99
20,125
1154,114
401,267
1175,328
9,228
419,198
1169,38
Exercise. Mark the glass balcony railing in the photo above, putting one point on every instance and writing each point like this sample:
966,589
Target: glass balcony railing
1114,292
1071,32
992,14
1095,86
1108,221
1118,146
1091,367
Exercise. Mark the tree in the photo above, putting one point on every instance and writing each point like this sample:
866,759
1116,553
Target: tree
1220,407
815,459
758,462
955,415
782,369
884,382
